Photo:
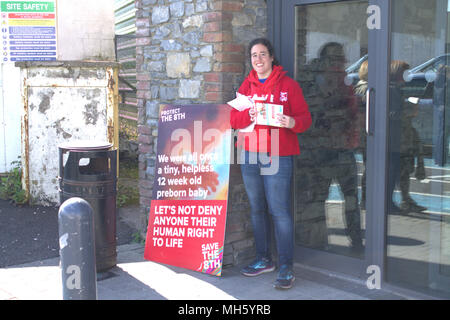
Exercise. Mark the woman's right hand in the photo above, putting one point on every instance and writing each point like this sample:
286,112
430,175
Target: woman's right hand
252,113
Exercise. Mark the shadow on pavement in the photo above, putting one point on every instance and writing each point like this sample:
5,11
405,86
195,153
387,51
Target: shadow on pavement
30,233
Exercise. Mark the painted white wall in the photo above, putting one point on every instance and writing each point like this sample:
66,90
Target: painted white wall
10,112
86,30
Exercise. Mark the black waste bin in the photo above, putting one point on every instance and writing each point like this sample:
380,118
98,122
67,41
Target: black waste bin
90,172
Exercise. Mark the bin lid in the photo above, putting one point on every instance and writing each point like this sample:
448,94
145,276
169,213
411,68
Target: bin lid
86,145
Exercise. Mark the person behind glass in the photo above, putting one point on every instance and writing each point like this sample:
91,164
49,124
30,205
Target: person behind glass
399,139
411,148
337,123
361,91
269,191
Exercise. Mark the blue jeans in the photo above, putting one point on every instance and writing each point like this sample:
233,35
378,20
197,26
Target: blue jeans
270,193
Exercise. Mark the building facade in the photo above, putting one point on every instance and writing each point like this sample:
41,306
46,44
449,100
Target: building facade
193,52
369,190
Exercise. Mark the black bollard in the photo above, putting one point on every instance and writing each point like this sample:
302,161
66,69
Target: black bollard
77,250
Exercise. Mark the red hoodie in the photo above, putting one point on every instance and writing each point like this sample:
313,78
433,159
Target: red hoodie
277,89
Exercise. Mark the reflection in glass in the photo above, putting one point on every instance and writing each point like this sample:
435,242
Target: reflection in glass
418,242
329,187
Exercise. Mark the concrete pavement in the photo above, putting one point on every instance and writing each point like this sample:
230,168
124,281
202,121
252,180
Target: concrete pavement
135,278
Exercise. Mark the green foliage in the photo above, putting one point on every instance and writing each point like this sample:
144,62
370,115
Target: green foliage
11,185
126,195
128,169
127,185
137,238
127,130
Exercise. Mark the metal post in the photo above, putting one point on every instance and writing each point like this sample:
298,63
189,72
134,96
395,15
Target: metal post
77,250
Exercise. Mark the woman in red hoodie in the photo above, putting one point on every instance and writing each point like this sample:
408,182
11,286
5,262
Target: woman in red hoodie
267,159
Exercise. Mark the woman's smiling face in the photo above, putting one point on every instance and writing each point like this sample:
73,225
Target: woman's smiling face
261,61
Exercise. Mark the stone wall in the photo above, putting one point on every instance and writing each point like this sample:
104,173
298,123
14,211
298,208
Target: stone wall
194,52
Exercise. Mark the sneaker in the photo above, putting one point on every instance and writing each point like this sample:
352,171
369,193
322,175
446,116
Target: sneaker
394,209
362,205
258,267
285,278
412,206
356,245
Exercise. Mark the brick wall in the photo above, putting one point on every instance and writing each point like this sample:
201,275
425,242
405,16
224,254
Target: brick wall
194,52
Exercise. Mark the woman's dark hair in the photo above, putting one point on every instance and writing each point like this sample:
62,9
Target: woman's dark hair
265,43
332,49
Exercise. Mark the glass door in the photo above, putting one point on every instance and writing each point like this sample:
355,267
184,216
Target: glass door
372,183
328,55
418,189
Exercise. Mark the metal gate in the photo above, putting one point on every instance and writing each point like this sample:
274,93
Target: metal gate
125,43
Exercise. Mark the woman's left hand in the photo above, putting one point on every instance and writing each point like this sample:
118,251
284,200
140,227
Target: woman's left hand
286,121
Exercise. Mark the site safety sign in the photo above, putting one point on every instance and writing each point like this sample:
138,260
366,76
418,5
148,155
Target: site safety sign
28,30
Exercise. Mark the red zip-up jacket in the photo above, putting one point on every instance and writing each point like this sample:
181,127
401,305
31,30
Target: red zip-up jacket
277,89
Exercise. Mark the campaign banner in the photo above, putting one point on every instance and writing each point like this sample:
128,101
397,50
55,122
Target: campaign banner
28,30
187,218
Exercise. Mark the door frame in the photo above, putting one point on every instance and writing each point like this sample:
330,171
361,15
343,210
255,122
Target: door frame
377,141
281,17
